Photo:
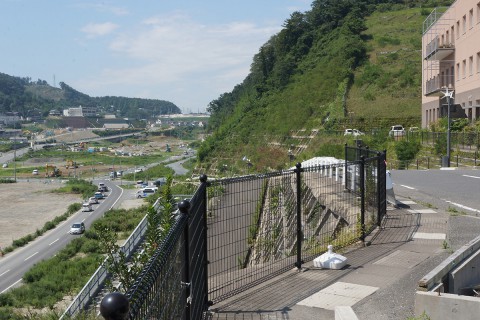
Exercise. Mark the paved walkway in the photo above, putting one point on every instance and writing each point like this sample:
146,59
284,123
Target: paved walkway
409,244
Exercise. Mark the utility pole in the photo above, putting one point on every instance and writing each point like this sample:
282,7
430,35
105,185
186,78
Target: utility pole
448,95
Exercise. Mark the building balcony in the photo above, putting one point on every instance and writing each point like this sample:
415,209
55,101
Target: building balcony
438,51
437,85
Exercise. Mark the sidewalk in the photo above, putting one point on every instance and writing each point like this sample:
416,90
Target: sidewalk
379,281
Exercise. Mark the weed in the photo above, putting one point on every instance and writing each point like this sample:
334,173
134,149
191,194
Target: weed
454,212
445,245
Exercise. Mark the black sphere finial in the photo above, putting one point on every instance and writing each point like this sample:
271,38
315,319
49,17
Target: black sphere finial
114,306
183,206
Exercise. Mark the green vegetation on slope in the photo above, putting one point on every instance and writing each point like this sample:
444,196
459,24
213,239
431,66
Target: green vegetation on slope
341,61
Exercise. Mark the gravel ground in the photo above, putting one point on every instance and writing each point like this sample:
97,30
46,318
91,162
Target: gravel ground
26,206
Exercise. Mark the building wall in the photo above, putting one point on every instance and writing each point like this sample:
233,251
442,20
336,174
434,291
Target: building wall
459,27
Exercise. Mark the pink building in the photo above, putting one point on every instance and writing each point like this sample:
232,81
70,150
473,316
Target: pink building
451,60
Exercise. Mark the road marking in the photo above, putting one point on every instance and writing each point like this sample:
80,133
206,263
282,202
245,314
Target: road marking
407,187
475,177
53,242
121,193
31,256
4,272
462,206
10,286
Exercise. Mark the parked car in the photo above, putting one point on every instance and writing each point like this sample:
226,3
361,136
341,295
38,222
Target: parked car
35,172
87,207
352,132
93,200
145,192
77,228
138,170
397,131
5,165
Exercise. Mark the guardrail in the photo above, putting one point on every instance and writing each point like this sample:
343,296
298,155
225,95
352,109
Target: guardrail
97,281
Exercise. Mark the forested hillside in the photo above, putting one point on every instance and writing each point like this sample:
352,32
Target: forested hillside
33,98
344,60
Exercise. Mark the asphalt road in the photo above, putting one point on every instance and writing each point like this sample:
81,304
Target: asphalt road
14,265
442,189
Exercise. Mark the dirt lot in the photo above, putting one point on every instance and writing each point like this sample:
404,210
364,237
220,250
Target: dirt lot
26,206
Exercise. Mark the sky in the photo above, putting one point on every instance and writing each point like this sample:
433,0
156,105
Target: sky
184,51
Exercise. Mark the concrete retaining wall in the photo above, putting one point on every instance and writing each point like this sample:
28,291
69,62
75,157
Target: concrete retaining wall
447,306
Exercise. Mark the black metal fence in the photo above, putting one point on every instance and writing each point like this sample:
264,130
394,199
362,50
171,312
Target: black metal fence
236,233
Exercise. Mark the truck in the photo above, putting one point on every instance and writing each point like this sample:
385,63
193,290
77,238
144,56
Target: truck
52,171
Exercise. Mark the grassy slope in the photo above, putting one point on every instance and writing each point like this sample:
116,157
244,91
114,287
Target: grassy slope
394,46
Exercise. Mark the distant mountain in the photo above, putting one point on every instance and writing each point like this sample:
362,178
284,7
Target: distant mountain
37,98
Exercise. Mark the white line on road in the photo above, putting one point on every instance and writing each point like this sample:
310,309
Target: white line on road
4,272
53,242
10,286
407,187
462,206
31,256
475,177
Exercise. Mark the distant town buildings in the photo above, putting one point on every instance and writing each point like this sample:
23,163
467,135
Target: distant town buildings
9,118
451,61
73,112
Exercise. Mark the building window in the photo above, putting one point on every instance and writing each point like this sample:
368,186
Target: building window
464,26
478,12
470,66
478,62
470,19
458,29
452,35
458,71
464,68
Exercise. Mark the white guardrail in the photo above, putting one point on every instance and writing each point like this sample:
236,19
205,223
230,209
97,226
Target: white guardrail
96,282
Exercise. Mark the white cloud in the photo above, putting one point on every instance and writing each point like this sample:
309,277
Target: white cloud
93,30
177,56
176,45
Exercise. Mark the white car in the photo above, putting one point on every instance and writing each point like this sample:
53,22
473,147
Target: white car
352,132
87,207
145,192
397,131
77,228
93,200
35,172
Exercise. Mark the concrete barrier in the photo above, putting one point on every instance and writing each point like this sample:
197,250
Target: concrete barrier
345,313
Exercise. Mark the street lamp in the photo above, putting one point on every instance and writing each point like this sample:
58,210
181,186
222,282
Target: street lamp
448,95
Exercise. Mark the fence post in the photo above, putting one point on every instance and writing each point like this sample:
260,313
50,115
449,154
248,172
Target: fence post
298,170
204,213
380,186
184,207
362,197
345,170
428,162
457,160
